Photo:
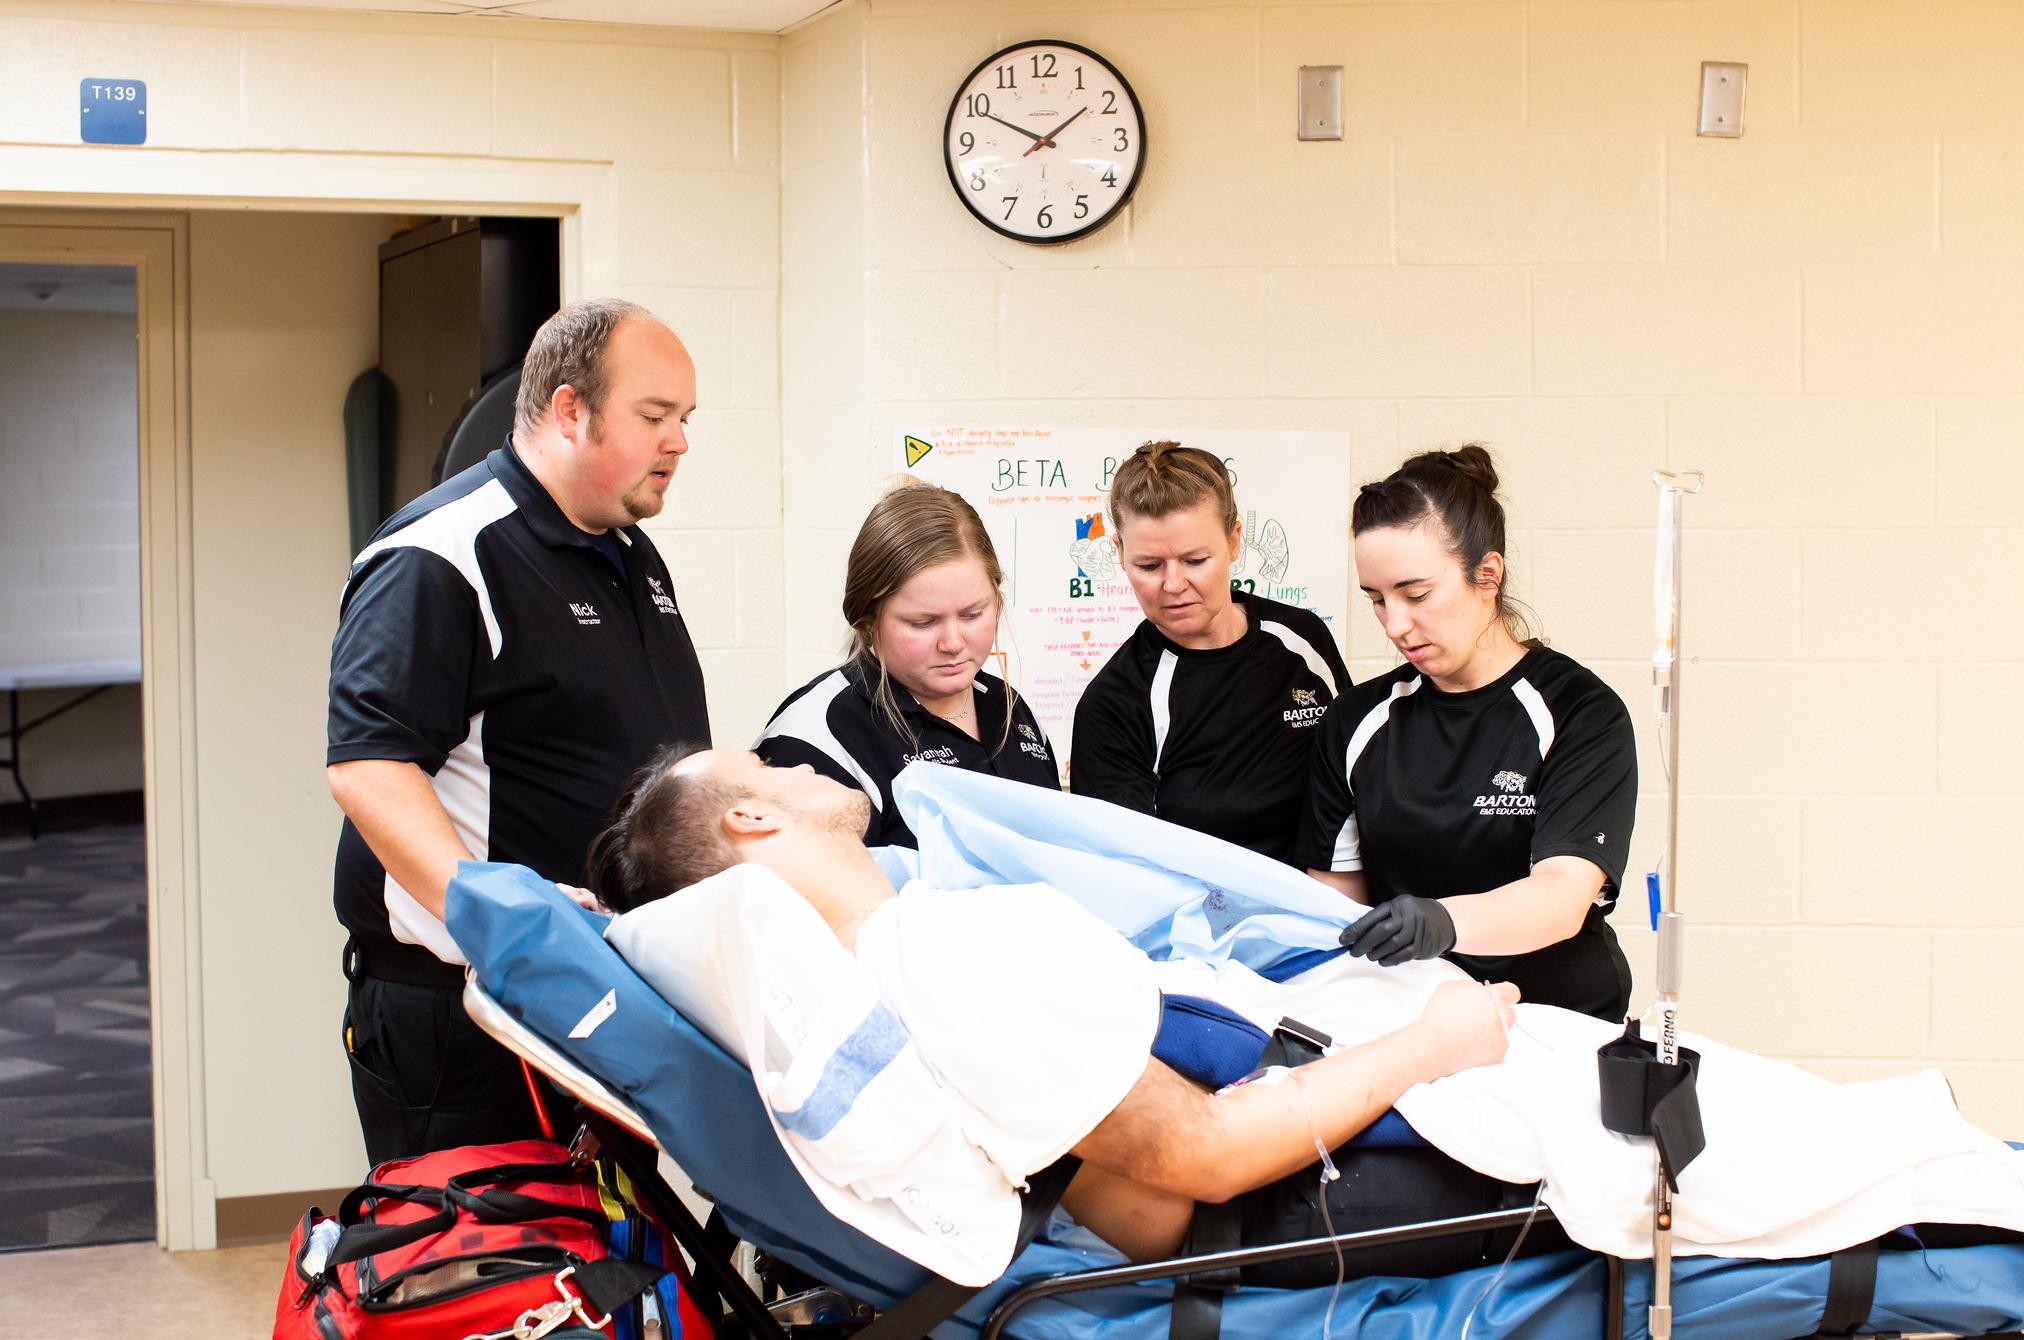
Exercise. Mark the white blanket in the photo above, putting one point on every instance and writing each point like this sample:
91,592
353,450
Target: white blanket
973,1040
1795,1165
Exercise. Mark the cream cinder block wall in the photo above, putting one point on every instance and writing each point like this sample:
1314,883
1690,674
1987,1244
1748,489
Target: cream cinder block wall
1521,240
825,196
70,538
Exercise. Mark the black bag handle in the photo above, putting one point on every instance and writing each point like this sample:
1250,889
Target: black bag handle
511,1207
359,1239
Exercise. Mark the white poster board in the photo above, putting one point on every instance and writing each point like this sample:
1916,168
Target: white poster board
1068,606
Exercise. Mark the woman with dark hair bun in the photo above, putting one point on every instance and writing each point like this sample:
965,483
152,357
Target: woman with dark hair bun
1480,796
921,593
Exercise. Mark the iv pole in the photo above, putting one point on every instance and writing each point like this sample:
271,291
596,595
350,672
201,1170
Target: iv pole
1666,681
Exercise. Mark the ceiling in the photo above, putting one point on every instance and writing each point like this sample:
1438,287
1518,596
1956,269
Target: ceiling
760,16
67,288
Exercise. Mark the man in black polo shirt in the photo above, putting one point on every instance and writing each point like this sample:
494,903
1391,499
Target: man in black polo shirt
509,649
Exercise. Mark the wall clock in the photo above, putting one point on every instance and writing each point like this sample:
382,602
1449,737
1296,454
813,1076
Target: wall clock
1044,141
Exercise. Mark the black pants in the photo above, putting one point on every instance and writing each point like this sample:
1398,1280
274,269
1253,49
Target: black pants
424,1077
1382,1188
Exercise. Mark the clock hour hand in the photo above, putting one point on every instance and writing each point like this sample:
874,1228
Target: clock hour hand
1047,140
1010,126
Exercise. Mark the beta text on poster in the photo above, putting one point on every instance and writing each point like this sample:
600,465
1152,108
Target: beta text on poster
1068,606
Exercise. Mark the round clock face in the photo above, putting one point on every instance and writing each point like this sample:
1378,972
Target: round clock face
1044,141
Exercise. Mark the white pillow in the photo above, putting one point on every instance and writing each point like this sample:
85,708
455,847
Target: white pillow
749,962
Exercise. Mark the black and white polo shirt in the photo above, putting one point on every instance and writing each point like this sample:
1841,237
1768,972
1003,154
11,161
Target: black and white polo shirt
1217,741
487,640
833,723
1434,794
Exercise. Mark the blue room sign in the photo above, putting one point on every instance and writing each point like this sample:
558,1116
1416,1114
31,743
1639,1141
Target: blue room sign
112,111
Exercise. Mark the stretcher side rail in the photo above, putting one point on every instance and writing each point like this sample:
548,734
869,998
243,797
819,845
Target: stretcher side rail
1179,1267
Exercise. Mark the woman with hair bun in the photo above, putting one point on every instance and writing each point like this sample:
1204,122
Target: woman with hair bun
1207,714
921,594
1480,796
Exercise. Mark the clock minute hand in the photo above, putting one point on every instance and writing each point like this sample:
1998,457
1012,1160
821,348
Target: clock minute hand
1010,126
1048,140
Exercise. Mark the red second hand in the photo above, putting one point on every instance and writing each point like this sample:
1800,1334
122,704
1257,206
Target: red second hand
1049,140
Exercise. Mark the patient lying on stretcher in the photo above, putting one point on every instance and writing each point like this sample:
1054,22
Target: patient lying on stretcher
1040,1018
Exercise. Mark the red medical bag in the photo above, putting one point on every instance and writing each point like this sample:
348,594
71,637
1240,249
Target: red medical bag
469,1241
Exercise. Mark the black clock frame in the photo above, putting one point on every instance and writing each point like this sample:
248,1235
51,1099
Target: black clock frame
956,184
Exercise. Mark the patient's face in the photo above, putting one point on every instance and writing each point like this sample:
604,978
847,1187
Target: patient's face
821,802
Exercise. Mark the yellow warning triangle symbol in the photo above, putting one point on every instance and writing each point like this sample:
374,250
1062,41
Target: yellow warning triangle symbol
917,449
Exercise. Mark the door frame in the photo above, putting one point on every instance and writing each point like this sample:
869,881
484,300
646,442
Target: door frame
157,246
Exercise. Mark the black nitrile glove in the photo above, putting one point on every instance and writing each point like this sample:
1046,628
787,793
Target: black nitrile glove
1401,930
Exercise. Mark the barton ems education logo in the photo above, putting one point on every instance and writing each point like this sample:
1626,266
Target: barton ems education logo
1507,796
1306,710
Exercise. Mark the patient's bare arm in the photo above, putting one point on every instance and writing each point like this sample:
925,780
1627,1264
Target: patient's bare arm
1175,1138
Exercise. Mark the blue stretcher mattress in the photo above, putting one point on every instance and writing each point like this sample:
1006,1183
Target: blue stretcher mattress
547,962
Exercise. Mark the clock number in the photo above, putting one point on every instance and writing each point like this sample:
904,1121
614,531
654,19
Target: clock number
1045,218
1011,203
1007,76
1078,79
1109,103
980,104
1110,176
1123,140
1046,71
968,142
1082,207
976,179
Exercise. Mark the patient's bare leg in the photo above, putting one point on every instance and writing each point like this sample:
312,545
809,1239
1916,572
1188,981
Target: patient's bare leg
1143,1222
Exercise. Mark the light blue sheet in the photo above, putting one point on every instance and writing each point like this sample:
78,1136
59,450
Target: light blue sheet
1175,892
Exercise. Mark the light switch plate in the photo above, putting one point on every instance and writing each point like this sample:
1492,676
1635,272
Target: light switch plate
1722,98
1320,102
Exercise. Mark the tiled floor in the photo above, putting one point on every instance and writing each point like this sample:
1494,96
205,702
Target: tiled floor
138,1289
76,1122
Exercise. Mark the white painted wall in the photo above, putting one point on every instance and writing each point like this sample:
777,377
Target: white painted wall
1522,241
70,538
274,344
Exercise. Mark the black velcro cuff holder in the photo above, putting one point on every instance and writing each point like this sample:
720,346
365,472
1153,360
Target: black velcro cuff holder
1642,1095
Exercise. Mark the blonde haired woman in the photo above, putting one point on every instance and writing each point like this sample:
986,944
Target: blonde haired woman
1207,714
921,595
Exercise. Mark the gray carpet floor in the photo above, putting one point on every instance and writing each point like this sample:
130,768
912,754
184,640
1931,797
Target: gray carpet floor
76,1118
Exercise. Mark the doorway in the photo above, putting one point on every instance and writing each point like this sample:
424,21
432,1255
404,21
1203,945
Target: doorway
76,1111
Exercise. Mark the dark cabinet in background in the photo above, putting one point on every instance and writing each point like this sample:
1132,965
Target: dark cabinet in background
460,300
